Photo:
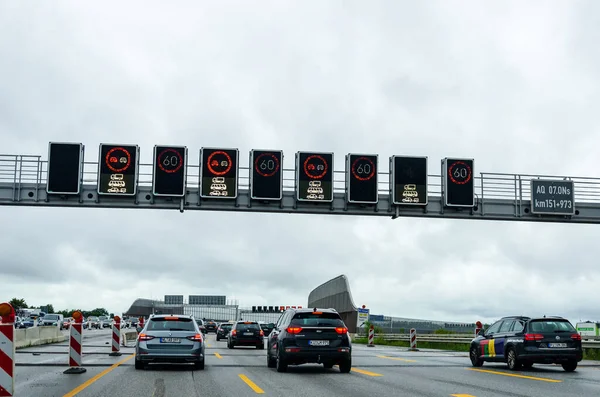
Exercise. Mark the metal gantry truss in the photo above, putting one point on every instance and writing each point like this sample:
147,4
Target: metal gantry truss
498,196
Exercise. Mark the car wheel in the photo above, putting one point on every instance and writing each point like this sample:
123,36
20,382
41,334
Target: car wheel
280,364
474,356
570,366
512,361
271,361
229,345
218,339
199,364
139,364
346,366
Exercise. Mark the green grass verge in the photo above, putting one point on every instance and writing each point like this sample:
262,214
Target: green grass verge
588,354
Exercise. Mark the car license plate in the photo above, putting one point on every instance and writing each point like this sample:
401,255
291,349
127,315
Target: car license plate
170,340
557,345
318,342
248,333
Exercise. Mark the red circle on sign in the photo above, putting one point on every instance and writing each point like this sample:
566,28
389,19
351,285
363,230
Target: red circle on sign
179,160
268,156
212,157
307,166
363,178
478,324
109,155
467,178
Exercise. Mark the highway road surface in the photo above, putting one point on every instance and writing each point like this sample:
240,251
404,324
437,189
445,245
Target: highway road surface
378,371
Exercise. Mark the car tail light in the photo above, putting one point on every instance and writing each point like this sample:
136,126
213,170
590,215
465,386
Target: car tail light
196,338
145,337
576,337
294,330
234,332
262,333
535,337
341,330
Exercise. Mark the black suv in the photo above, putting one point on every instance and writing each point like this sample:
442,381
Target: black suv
524,341
246,333
223,330
304,336
210,326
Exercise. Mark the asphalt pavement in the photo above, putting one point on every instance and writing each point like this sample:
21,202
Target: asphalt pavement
377,371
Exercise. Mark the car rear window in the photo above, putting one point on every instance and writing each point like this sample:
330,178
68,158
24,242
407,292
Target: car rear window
51,317
226,326
318,319
171,324
247,327
551,326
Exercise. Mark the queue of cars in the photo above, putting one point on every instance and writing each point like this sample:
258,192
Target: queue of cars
300,336
303,336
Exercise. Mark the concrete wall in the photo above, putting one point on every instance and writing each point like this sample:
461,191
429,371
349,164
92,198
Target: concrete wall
36,336
336,294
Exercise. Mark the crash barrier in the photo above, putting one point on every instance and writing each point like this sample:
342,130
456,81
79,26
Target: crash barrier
128,336
7,359
40,335
588,342
371,336
413,340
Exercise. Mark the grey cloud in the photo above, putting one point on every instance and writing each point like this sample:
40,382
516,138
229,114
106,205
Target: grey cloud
513,87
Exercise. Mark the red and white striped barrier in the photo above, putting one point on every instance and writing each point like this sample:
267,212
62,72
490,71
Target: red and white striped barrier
371,336
116,337
7,360
7,350
75,342
413,340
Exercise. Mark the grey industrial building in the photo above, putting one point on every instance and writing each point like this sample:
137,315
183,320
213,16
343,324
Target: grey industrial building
334,293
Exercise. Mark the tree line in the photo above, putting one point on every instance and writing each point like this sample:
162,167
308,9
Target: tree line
21,304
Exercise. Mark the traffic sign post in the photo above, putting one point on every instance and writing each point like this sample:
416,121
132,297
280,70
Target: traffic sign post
458,180
219,173
552,197
169,173
65,168
408,180
314,176
362,178
266,174
118,167
75,342
7,350
478,327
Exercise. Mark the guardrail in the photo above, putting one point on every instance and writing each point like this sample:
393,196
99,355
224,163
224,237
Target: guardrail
591,342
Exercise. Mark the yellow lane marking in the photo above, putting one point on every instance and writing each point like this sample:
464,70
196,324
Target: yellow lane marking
218,355
362,371
516,376
88,382
462,395
398,359
208,345
251,384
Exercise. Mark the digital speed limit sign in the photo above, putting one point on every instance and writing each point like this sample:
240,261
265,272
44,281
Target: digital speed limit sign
169,171
361,178
459,182
266,174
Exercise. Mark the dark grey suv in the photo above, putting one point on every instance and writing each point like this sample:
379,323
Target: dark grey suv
170,339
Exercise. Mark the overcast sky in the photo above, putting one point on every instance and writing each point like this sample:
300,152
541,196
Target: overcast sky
514,85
